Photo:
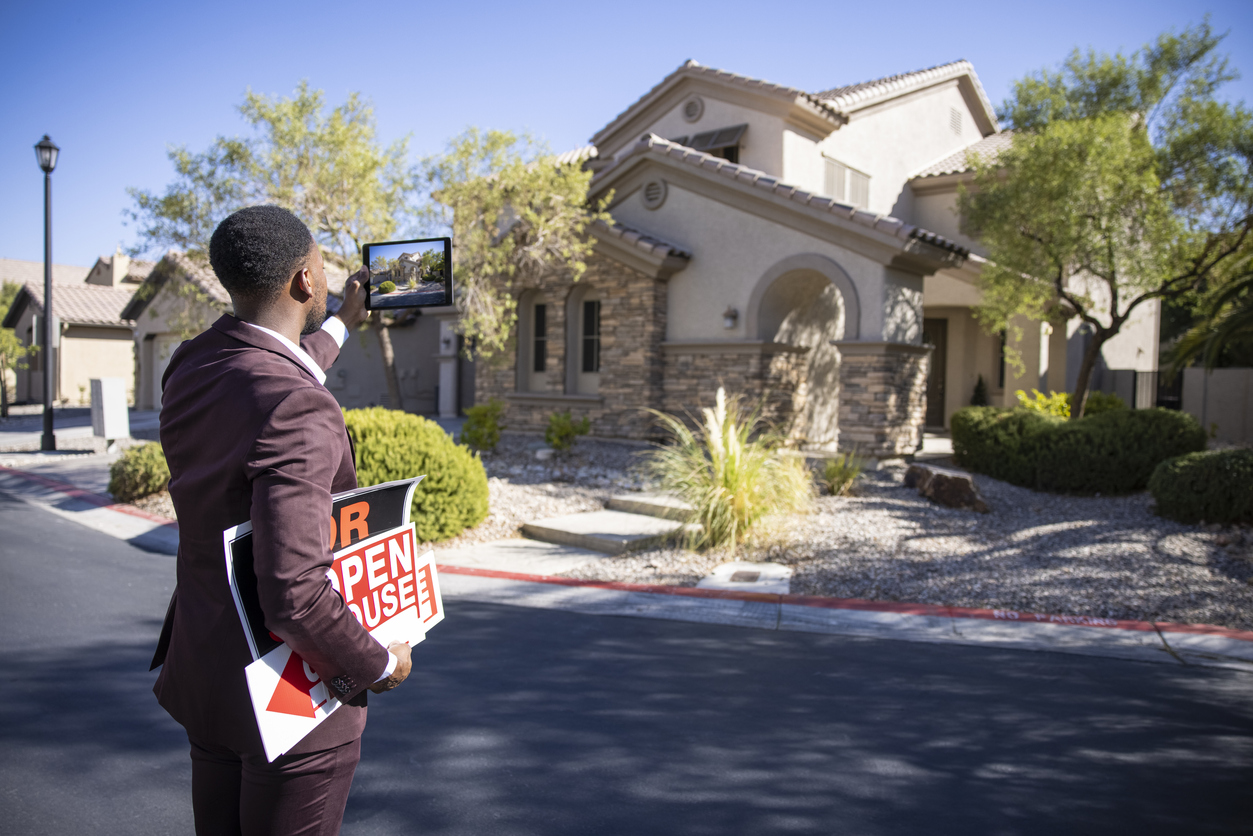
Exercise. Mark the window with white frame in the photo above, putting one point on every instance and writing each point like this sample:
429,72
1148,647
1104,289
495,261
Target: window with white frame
845,183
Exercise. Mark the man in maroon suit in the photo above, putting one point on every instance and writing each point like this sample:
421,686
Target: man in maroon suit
251,433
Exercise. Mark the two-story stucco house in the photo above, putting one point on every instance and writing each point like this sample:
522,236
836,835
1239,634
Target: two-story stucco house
802,249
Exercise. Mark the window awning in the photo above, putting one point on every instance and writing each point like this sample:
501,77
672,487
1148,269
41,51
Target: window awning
713,140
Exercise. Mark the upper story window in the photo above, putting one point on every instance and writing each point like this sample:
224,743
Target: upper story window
845,183
720,142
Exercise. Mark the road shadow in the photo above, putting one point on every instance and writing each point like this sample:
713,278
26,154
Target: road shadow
547,722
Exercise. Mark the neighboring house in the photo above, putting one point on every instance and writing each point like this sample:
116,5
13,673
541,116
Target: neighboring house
181,298
92,337
802,249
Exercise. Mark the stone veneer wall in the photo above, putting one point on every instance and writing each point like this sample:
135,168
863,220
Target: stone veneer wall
768,375
883,397
632,326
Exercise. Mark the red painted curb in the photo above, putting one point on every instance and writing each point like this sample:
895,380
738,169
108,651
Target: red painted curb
819,602
816,601
89,497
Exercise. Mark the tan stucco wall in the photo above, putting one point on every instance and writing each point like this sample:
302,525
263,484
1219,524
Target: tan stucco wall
733,249
761,147
937,212
357,380
893,141
1222,400
87,353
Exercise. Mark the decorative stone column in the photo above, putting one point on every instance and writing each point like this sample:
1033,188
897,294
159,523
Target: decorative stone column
883,397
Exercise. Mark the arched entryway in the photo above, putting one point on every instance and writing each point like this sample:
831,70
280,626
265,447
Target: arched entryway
808,301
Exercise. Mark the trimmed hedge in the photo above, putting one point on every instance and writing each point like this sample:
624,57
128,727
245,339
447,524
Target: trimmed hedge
140,472
390,445
1213,487
1110,452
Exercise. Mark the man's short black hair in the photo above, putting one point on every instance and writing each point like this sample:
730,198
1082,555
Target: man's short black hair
257,250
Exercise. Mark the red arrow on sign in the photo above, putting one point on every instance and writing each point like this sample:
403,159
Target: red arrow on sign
292,696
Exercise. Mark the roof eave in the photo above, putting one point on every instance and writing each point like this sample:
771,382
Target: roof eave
896,235
813,115
661,263
18,307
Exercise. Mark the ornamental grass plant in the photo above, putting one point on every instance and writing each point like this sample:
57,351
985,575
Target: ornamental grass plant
839,474
730,471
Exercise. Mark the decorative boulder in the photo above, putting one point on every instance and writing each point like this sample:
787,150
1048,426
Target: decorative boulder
951,488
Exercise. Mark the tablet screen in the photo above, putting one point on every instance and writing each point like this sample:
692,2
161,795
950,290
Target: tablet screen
409,274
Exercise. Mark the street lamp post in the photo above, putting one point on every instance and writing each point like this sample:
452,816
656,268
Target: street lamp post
46,152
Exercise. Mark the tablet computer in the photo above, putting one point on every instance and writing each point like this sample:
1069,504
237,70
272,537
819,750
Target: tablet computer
409,274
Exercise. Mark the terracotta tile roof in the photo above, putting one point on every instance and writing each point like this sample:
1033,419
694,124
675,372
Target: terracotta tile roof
203,277
80,304
577,155
653,144
21,272
176,262
641,240
866,93
957,162
692,68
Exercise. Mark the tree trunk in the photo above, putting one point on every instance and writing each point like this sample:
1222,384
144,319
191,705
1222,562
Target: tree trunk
389,360
1079,398
4,392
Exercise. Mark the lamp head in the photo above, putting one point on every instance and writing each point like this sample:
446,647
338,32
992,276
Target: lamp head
46,152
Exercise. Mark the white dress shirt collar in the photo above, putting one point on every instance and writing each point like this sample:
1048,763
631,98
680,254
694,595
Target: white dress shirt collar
300,353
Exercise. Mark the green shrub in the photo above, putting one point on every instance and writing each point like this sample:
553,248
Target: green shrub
481,430
562,430
839,473
1099,402
1054,403
730,478
1215,487
140,472
387,287
390,445
980,396
1003,443
1110,452
1115,451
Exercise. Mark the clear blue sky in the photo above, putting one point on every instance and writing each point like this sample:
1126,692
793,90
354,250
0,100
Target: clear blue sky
115,84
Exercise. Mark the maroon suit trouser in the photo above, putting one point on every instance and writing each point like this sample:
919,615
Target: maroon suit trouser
242,795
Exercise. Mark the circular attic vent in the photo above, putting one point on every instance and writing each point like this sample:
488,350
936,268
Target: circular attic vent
654,194
693,108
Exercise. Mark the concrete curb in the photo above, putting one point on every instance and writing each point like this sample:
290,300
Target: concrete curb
1201,645
125,522
1176,644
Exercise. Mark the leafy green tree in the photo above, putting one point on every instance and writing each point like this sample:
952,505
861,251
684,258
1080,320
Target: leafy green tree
12,353
1127,181
327,167
1223,332
515,215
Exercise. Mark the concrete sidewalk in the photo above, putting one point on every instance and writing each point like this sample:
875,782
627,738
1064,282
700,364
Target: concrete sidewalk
71,426
522,573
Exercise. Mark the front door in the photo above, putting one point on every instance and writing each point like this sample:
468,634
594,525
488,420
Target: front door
935,332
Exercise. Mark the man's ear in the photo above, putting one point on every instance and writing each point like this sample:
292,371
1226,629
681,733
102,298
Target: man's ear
302,285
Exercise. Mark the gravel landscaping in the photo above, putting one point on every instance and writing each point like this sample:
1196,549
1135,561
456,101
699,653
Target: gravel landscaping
1100,556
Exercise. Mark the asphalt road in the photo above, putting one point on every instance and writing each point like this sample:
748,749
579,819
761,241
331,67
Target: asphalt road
539,722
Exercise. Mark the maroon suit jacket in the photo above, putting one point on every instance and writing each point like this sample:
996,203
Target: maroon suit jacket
250,434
